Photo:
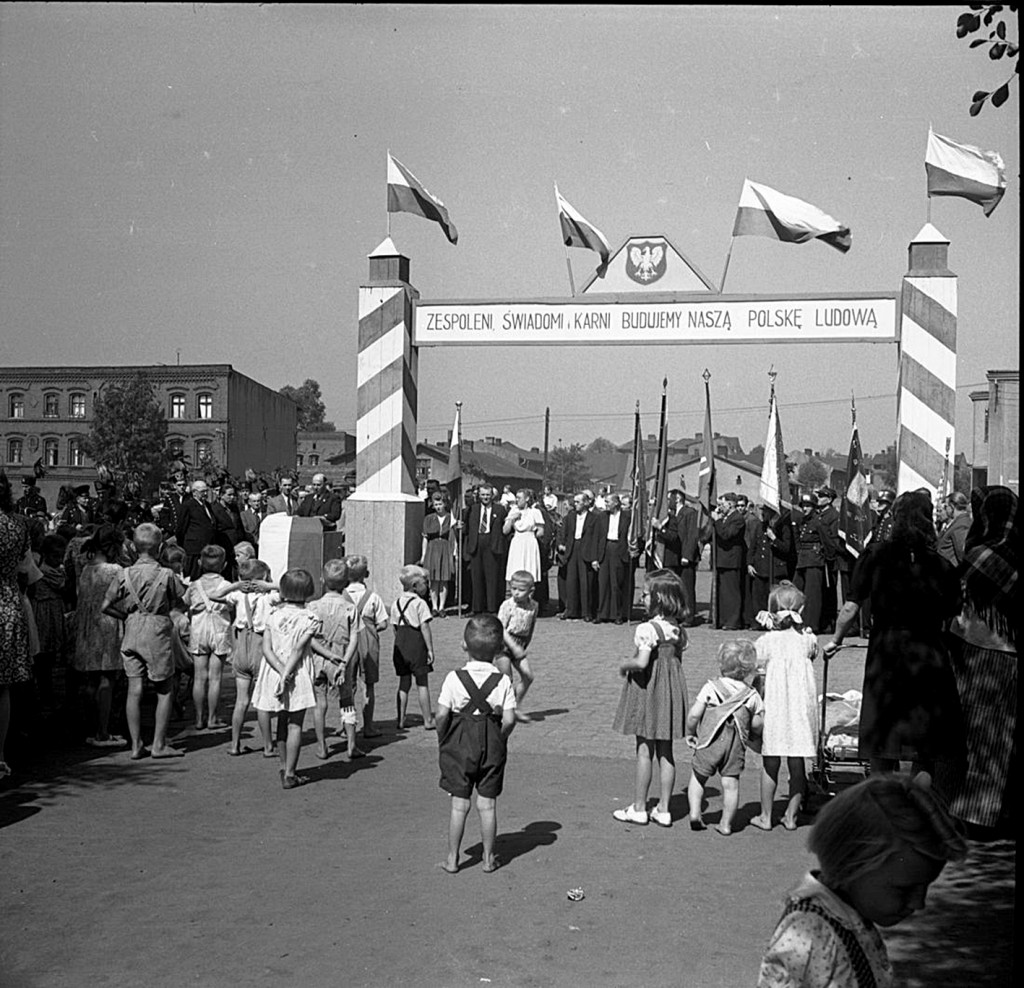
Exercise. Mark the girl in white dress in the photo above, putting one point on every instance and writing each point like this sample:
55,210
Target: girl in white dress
526,524
284,684
784,657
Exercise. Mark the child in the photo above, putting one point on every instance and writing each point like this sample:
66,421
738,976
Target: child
147,596
724,715
414,645
209,635
284,683
251,610
653,703
48,609
790,701
879,845
475,716
173,557
335,612
518,616
244,551
369,620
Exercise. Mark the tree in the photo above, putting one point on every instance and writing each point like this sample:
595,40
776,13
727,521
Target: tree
811,474
567,468
311,406
129,433
991,15
601,445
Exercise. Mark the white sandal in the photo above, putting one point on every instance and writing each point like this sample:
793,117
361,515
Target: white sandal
631,815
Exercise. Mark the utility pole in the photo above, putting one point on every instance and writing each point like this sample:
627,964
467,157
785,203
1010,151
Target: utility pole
547,426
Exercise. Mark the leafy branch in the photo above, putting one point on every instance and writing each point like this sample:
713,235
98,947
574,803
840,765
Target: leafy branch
992,16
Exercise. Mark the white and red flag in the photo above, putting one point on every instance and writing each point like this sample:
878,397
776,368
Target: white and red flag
774,490
763,212
406,194
579,232
964,171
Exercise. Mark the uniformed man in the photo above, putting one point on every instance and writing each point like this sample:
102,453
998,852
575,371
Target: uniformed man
769,550
31,501
730,562
79,512
826,497
816,542
881,531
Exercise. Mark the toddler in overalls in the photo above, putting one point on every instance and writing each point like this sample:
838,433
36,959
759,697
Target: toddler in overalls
414,646
475,715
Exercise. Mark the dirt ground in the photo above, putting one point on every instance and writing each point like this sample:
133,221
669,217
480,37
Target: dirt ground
203,871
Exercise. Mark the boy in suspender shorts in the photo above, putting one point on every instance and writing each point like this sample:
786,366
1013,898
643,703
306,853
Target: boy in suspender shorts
475,715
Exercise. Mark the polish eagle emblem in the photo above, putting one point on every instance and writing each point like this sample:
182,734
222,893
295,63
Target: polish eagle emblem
645,262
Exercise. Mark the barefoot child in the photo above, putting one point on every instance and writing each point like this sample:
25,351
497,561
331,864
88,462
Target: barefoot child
147,597
784,655
718,727
335,612
518,617
653,702
252,606
879,845
284,683
414,646
475,716
370,619
209,636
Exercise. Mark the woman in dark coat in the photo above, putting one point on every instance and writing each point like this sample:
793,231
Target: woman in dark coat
910,709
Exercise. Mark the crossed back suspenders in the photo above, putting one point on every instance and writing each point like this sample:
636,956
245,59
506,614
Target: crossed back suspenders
478,694
133,593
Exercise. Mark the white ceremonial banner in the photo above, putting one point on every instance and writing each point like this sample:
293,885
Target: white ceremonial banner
839,318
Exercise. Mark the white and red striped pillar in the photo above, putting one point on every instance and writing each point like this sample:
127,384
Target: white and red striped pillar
926,410
384,515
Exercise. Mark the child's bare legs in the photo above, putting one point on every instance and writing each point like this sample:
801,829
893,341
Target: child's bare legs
320,721
730,803
213,690
402,700
667,771
164,705
133,714
442,597
770,765
242,685
797,787
289,741
99,688
488,810
644,754
266,732
456,829
695,797
433,597
348,722
199,681
424,697
369,731
525,682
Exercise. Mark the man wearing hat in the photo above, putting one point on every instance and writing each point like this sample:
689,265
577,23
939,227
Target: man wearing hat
881,531
826,497
31,501
79,511
951,540
730,561
816,542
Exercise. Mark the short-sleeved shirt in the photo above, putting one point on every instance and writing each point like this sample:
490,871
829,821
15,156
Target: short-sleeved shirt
646,637
374,609
709,696
260,605
453,694
336,614
518,621
416,610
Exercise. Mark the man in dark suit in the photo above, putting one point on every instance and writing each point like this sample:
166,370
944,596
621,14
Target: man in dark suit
580,545
196,527
285,502
826,497
228,527
613,556
321,503
730,564
252,515
769,548
485,549
816,542
679,533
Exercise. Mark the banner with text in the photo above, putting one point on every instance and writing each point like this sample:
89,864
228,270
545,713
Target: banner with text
864,318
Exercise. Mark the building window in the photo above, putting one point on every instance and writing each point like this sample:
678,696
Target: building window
204,449
77,405
299,459
14,450
314,460
76,455
739,480
50,452
985,439
17,407
204,407
176,448
51,406
177,406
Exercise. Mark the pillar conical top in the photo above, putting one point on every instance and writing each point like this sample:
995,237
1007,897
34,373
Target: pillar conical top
386,248
929,255
929,235
388,263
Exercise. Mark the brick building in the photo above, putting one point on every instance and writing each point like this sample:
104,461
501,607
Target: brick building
331,453
213,412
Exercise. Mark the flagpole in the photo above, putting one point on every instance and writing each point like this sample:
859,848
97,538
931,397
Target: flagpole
572,284
388,211
714,539
462,528
728,258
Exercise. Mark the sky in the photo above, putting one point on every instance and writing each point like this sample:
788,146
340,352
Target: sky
203,183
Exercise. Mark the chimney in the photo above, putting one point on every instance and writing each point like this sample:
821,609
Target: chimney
699,437
807,451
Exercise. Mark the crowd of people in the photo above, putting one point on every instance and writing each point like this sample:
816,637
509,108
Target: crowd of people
178,597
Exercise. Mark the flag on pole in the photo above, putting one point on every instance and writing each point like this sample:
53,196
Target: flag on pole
706,476
657,549
853,511
638,490
578,232
407,195
965,171
774,491
454,476
763,212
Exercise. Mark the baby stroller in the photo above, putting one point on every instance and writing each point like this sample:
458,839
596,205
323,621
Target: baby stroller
837,765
